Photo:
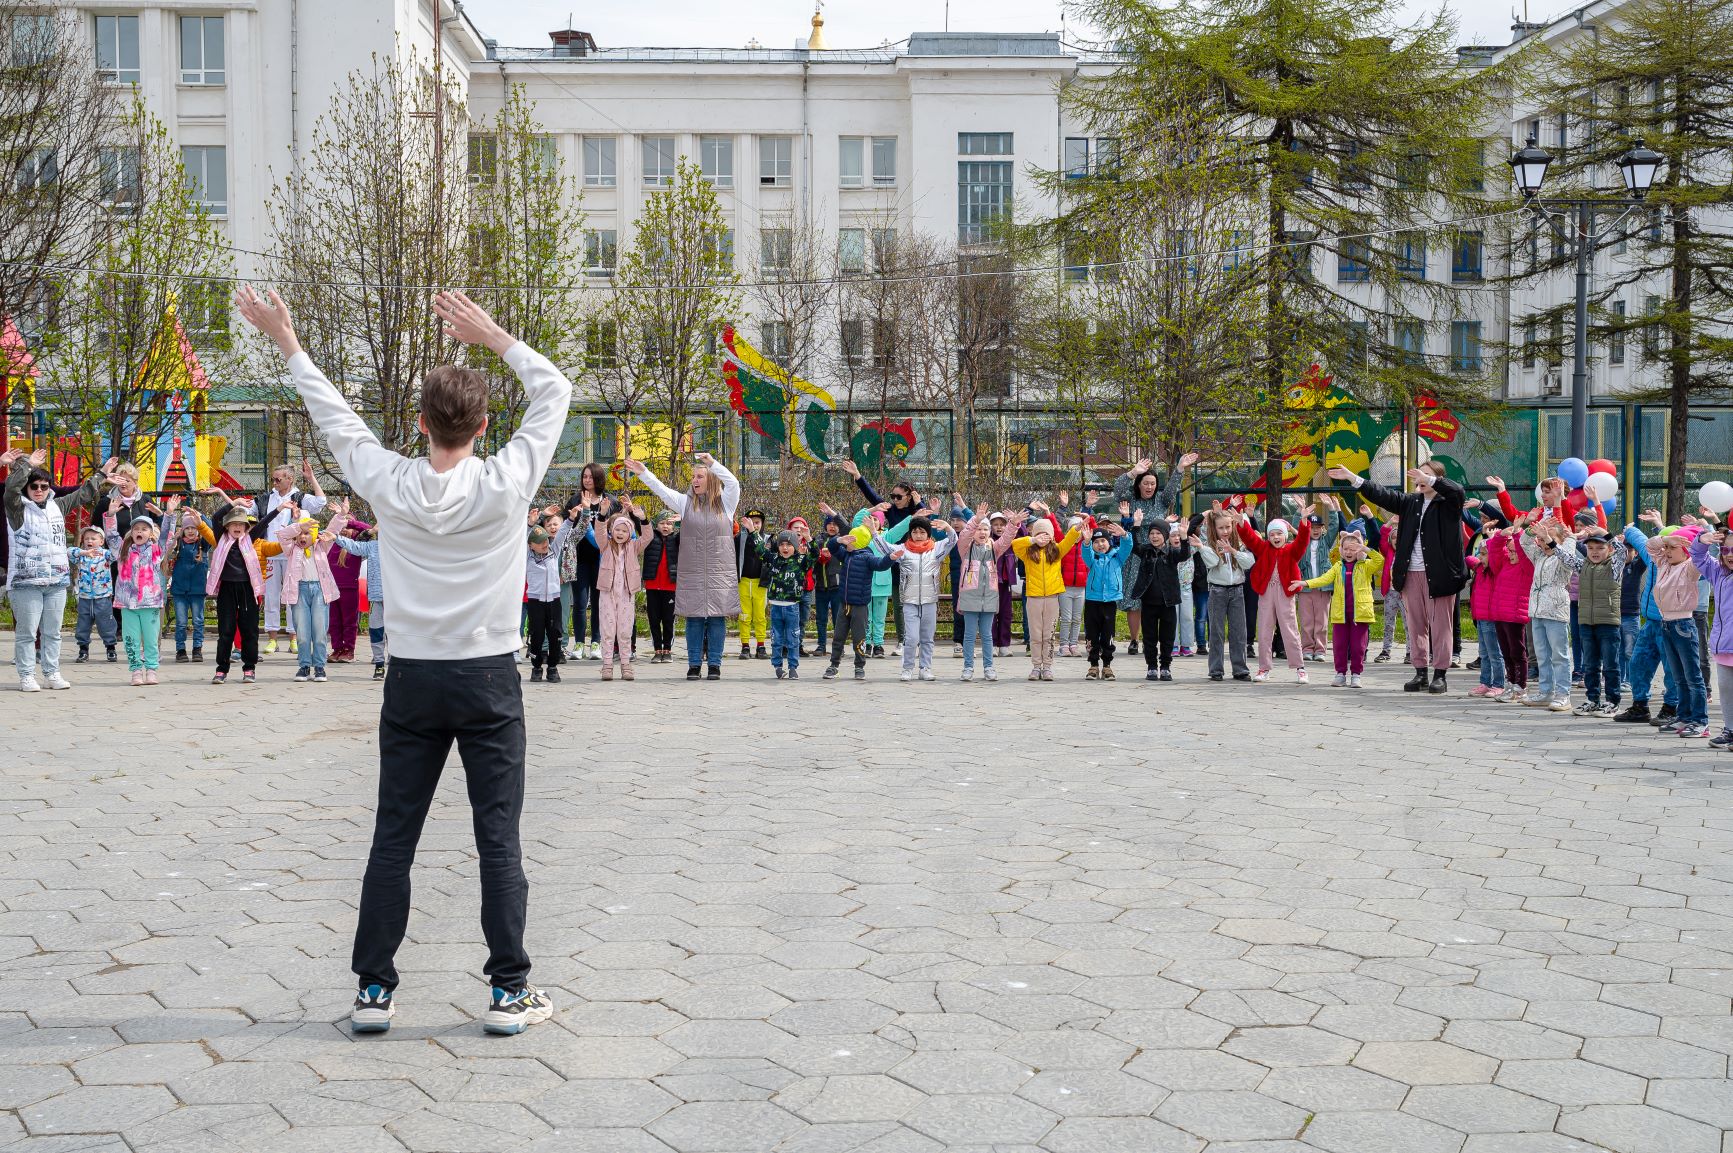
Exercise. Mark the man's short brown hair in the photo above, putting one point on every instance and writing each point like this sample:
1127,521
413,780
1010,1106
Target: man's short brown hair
453,405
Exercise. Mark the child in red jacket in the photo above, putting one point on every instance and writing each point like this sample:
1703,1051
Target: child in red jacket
1277,556
1512,576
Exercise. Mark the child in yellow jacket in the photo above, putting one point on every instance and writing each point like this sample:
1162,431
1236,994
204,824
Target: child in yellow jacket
1043,582
1351,578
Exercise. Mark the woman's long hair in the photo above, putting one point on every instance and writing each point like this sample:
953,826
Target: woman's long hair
710,500
598,479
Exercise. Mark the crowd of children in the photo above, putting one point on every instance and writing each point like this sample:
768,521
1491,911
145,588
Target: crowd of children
1559,603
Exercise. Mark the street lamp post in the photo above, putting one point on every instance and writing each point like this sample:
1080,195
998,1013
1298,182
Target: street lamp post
1575,220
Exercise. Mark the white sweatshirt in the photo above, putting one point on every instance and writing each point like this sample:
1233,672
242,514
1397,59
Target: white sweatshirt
451,545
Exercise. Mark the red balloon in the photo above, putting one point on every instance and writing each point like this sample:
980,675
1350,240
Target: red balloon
1602,464
1577,500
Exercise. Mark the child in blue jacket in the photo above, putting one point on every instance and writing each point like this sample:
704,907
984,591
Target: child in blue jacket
859,568
1102,594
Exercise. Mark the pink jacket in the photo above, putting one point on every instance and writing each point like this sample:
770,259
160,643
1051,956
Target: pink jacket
298,567
634,567
1675,584
1511,581
1480,593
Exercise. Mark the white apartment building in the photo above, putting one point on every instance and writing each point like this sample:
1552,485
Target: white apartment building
933,134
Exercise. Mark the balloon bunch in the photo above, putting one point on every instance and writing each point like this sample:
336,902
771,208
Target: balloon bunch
1717,497
1593,483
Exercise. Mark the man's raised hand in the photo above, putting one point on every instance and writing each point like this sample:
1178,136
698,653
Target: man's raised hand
467,321
270,316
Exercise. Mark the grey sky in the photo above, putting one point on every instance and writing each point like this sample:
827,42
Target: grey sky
852,23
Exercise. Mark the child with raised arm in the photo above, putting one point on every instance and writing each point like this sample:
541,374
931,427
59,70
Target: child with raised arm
93,585
919,559
1349,581
1109,546
450,534
619,578
365,548
140,587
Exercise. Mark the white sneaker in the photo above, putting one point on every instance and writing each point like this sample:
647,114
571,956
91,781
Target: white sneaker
56,681
991,674
1607,709
926,674
1354,680
896,650
1559,705
1260,678
968,675
1339,680
594,651
956,650
908,675
28,685
1302,676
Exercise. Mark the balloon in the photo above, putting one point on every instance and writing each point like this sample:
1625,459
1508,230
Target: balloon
1601,485
1575,501
1573,471
1717,497
1610,504
1602,464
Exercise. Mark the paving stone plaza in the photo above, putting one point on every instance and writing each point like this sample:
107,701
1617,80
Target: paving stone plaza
880,918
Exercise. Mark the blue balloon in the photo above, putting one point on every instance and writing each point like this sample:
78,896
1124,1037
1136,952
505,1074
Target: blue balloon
1611,503
1574,471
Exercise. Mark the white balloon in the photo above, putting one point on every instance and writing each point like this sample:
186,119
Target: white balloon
1716,496
1602,486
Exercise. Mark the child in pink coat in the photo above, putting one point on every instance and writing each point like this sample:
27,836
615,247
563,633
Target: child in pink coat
309,587
1512,579
619,577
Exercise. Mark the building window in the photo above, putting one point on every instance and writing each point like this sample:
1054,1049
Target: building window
544,153
776,161
1410,343
775,251
658,161
39,168
254,442
601,169
1616,338
118,183
207,175
1353,262
204,308
1075,160
719,250
716,160
1652,328
1359,342
990,369
601,346
884,345
884,247
773,341
851,251
483,158
884,161
34,39
984,144
983,197
601,251
851,161
853,343
1411,254
1467,257
1555,345
1465,346
1107,157
117,49
604,438
1477,180
1296,254
202,50
1530,338
1075,257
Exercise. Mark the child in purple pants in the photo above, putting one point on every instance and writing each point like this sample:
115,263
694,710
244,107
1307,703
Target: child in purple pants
1351,580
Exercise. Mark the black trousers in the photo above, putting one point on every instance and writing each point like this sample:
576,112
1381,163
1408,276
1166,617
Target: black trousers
427,706
547,642
1160,624
659,603
237,608
896,605
853,626
1099,621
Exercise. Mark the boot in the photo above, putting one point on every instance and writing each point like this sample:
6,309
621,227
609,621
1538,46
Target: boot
762,654
198,655
1667,715
1416,683
1637,713
112,655
83,654
181,656
1438,685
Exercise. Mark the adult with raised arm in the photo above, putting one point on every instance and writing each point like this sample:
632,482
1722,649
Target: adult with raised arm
1429,568
708,592
451,543
1141,490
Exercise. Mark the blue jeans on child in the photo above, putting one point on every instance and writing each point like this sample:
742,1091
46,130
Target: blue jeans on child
189,611
99,610
312,625
1645,659
1552,642
376,629
977,627
1679,654
1491,656
1603,663
785,635
705,633
828,609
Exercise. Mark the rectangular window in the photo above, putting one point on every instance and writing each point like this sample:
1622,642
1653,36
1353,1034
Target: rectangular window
884,247
1530,338
773,341
851,251
658,161
776,161
39,168
1296,254
1410,343
1616,338
117,49
601,347
719,250
601,168
1076,259
1652,328
1354,174
604,438
983,198
1353,263
207,175
884,345
483,157
1477,178
884,162
253,438
1465,346
601,251
853,343
118,182
1555,345
1411,254
204,307
775,251
984,143
1359,340
34,39
716,160
1075,159
202,50
1467,258
1237,255
1107,157
851,161
1412,171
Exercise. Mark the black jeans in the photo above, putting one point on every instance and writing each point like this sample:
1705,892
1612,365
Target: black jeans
659,603
1160,623
428,705
1099,619
237,607
546,643
853,626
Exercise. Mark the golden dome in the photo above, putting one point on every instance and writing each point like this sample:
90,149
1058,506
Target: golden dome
815,42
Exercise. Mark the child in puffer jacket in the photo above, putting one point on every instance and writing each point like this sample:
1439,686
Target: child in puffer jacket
140,587
1676,596
1712,553
1512,575
921,558
1109,547
1485,627
1552,550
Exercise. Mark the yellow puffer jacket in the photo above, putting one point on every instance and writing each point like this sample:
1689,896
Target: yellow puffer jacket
1366,571
1039,578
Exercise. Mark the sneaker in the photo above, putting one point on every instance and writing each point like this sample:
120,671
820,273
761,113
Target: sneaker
292,647
968,675
553,674
1559,705
372,1011
829,673
907,675
1474,664
270,645
1133,650
1242,676
1353,680
1673,726
1302,676
780,674
1587,709
379,672
138,679
1094,673
1167,674
1106,674
762,654
181,657
83,655
149,679
1607,709
113,654
715,673
991,674
512,1012
1480,691
28,685
1340,680
896,650
1215,676
745,652
860,674
198,655
1667,714
219,678
318,676
1724,741
1035,674
608,672
1382,658
1187,652
879,652
1637,713
1260,677
1047,674
956,650
926,674
303,674
1694,729
1152,675
693,672
248,676
793,674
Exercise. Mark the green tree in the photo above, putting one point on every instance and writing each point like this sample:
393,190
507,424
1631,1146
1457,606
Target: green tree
652,348
1357,139
1660,71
